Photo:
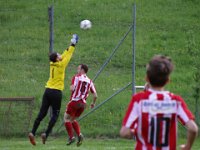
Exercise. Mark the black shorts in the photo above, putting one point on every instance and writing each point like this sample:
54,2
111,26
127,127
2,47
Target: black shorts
53,98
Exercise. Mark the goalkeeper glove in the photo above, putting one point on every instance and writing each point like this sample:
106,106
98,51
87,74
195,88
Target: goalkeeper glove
74,39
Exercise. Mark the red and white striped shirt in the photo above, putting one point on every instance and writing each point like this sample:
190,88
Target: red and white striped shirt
154,115
82,86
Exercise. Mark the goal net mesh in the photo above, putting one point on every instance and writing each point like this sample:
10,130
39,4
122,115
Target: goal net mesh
15,115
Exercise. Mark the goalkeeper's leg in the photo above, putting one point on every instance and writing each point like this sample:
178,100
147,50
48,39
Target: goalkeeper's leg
55,100
43,111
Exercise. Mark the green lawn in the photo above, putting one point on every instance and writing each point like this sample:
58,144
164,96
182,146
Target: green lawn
59,144
168,27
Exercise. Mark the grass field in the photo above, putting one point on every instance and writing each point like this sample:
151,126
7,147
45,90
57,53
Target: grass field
89,144
170,27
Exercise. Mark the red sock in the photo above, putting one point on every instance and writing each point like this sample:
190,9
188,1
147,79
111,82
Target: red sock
68,126
76,127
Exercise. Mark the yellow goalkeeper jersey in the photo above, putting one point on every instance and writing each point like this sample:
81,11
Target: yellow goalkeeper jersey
57,70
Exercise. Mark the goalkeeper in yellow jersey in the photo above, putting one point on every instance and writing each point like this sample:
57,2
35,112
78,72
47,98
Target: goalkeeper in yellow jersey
53,93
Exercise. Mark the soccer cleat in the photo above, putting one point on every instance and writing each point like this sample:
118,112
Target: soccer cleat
80,140
43,137
32,138
71,140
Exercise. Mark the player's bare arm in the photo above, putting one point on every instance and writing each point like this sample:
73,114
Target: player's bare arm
72,87
94,100
126,133
192,131
94,93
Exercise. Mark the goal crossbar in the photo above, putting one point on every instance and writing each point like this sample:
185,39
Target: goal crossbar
17,98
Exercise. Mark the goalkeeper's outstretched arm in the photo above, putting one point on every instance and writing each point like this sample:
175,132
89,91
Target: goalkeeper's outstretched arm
67,54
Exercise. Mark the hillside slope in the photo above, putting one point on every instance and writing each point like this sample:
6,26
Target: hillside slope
163,27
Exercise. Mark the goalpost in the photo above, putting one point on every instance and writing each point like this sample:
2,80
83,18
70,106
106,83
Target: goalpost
15,115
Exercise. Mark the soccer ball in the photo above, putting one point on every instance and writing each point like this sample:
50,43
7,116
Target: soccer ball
85,24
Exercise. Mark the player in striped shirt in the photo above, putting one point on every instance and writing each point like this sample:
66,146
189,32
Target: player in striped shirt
53,92
153,114
80,87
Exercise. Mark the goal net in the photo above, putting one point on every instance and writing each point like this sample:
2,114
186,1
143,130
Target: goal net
15,115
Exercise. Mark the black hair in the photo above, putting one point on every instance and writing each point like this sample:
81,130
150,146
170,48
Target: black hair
53,56
84,67
158,70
